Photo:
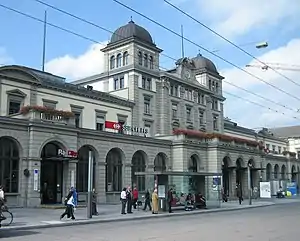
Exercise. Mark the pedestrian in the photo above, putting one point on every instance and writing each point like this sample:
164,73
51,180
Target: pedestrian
170,199
239,193
129,200
2,203
123,200
154,202
71,203
94,203
147,201
135,194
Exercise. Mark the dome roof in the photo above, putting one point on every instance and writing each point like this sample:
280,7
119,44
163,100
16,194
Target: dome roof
131,30
201,62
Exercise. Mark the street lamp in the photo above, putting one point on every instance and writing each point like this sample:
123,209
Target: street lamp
90,185
249,166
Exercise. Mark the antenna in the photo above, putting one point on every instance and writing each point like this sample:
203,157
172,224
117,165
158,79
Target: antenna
182,42
44,42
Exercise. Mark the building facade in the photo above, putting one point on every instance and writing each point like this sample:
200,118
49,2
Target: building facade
132,118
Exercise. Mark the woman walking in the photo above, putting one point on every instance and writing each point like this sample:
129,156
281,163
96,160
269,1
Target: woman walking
71,203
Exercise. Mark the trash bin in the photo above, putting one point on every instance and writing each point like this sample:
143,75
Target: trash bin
162,204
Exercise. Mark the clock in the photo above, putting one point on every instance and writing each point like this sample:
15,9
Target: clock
187,74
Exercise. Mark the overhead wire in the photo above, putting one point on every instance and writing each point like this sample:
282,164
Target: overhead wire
203,48
95,41
230,42
112,32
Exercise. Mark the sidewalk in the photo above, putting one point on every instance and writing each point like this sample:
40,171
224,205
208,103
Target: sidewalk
34,218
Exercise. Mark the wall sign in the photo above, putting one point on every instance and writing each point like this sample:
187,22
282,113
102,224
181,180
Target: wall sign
118,126
35,179
68,153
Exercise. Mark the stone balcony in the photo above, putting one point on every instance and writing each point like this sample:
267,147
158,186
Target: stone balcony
35,115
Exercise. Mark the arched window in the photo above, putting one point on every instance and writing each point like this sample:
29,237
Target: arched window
140,57
151,62
9,165
82,169
276,171
138,165
268,172
125,58
119,60
145,60
112,62
114,170
193,166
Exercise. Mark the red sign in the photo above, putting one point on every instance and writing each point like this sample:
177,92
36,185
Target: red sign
72,153
68,153
113,125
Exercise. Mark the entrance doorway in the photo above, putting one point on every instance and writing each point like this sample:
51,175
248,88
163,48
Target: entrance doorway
51,174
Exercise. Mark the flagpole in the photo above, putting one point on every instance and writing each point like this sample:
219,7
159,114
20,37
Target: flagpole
182,42
44,42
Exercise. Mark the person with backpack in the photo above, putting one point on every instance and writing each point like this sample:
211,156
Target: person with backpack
71,204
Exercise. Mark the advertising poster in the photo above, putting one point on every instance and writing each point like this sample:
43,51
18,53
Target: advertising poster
265,189
291,189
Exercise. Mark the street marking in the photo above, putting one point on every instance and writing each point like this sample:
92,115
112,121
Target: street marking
52,222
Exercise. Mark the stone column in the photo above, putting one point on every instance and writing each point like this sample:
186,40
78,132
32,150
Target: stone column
232,194
127,181
70,176
101,181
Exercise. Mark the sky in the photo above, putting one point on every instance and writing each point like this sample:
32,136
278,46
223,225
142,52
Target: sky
244,22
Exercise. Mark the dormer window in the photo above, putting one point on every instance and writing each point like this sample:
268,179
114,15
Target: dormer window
140,57
151,62
125,58
112,62
146,60
119,60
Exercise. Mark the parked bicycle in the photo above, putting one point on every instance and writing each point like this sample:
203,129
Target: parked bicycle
7,217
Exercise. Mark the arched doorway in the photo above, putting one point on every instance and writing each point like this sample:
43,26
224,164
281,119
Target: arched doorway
9,164
138,164
52,173
253,172
240,174
114,174
160,162
294,174
194,181
82,168
226,175
276,172
283,172
268,172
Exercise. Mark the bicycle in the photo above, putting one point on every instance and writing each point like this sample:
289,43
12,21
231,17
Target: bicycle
9,217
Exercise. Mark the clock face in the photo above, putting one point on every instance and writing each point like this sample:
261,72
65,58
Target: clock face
187,74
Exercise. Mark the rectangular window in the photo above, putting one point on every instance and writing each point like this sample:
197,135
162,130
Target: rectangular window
201,117
186,94
148,129
273,148
77,119
14,107
188,113
215,123
171,90
176,91
148,84
121,82
122,123
116,84
190,97
100,121
143,82
147,106
174,111
279,150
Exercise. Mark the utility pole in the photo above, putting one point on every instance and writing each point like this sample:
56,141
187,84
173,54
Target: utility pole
44,42
249,166
90,185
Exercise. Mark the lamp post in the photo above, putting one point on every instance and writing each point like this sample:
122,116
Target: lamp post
90,185
249,166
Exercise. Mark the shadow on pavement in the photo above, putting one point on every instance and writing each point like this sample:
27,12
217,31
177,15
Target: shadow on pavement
13,233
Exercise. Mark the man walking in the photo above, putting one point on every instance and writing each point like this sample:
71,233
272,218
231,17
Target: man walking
129,200
170,199
123,200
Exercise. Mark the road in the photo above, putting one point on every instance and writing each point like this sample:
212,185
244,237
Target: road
274,223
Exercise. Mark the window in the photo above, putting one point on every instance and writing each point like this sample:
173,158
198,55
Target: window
122,121
148,129
77,110
209,84
51,105
116,84
284,148
186,93
151,62
146,60
190,97
9,165
215,105
121,82
146,83
114,171
217,87
140,57
125,58
200,98
273,148
174,111
171,90
279,150
201,117
100,122
138,165
268,146
147,106
15,101
119,60
188,113
112,62
215,123
176,91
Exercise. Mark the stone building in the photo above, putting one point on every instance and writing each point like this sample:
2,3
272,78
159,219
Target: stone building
134,117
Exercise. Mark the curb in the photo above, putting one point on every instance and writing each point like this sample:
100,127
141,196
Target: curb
161,216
